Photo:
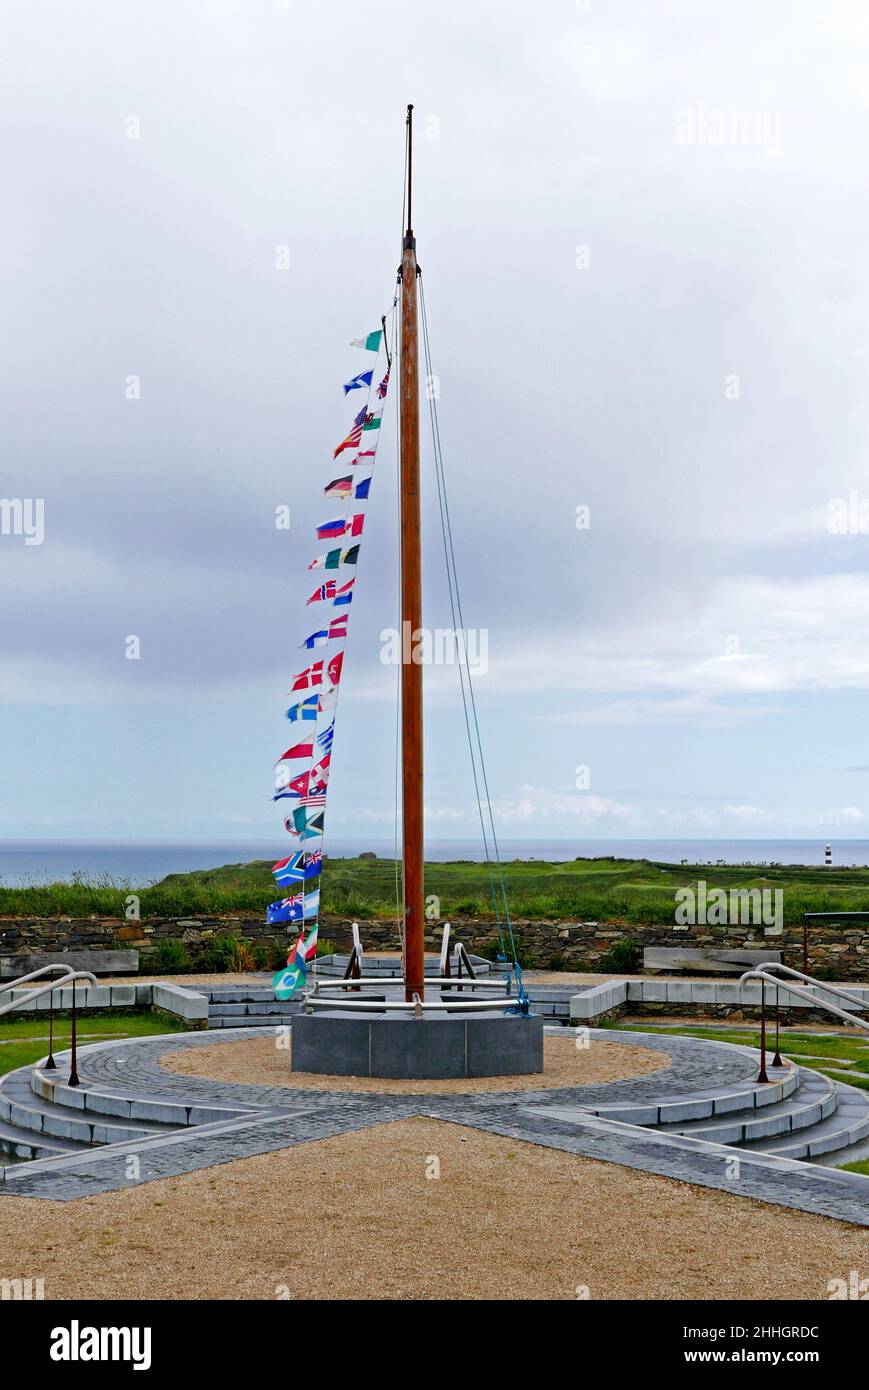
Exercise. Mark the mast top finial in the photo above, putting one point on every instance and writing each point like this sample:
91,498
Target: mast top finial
408,236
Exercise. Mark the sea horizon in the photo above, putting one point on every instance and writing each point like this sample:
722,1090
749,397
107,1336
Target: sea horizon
138,863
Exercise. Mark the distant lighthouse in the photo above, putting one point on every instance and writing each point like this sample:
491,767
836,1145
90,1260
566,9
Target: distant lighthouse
828,856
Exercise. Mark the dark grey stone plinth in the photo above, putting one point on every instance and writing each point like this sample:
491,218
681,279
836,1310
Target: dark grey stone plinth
417,1049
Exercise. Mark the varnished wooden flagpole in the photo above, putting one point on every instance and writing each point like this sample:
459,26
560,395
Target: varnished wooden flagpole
411,613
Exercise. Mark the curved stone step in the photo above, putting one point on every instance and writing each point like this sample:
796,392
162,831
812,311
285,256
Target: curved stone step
23,1143
158,1113
26,1110
849,1125
815,1099
702,1105
249,1021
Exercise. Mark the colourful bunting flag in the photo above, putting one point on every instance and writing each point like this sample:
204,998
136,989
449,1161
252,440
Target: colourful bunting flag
357,382
334,558
325,591
360,492
384,385
371,341
372,420
339,487
286,909
298,750
305,709
325,738
334,667
343,595
331,530
312,675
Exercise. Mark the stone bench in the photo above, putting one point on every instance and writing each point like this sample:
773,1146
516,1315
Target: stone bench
97,962
708,961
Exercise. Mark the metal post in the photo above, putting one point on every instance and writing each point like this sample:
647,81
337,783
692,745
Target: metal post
73,1068
777,1061
762,1076
805,946
50,1064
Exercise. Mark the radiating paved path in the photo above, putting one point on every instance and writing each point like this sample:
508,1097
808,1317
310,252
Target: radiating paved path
271,1118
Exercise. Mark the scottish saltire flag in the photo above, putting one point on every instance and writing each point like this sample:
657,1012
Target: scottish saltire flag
360,492
372,420
331,530
286,909
325,738
371,341
298,750
357,382
305,709
384,385
312,675
325,591
343,595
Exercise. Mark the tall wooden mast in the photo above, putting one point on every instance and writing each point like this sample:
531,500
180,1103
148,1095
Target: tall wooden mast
411,610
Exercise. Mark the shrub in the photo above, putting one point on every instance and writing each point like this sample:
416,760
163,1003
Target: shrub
228,954
170,958
624,956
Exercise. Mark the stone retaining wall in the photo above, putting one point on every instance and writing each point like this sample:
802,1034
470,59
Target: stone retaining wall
837,952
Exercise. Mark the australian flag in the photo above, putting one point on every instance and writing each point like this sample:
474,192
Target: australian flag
286,909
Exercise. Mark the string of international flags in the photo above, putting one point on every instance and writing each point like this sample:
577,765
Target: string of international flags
299,872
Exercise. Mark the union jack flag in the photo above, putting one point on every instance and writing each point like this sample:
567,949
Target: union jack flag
384,386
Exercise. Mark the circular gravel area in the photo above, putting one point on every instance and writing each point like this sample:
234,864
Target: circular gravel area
266,1061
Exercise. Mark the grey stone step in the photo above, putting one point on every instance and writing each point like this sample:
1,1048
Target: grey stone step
815,1100
240,1007
700,1105
156,1111
28,1111
848,1126
23,1143
248,1021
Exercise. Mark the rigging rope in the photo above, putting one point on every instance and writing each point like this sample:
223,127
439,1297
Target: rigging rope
469,702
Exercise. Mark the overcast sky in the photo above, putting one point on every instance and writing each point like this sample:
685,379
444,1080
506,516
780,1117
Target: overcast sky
644,231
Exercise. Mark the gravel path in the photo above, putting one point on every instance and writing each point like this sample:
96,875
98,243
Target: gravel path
266,1061
505,1220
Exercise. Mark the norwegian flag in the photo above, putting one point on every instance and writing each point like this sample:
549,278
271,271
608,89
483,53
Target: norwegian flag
312,675
325,591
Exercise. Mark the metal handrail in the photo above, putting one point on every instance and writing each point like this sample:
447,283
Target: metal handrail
821,984
34,974
49,985
417,1007
765,976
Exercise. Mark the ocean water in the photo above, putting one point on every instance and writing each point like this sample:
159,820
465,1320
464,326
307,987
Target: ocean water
138,864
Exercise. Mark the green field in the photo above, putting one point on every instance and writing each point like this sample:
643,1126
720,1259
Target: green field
25,1040
606,890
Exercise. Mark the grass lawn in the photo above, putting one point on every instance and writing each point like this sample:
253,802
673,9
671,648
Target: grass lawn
606,889
25,1040
806,1049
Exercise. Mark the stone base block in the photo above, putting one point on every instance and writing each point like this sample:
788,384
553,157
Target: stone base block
417,1049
